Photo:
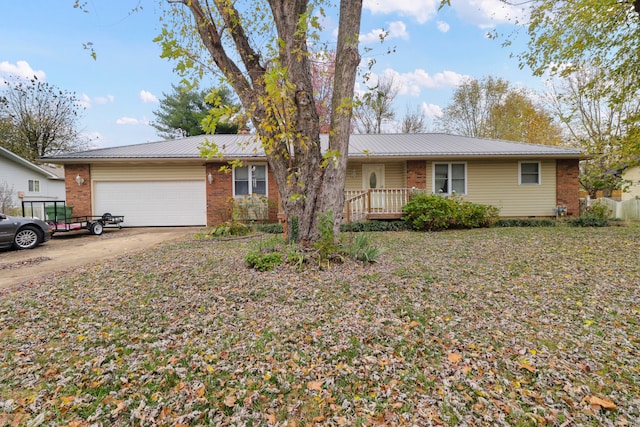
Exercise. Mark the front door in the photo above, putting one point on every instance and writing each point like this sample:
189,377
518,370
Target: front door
373,179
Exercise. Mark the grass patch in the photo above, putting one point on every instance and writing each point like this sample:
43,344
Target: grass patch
504,326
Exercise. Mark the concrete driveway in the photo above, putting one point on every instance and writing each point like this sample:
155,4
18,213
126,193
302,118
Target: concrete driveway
68,250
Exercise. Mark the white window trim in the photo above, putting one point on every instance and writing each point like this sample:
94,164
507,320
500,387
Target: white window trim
32,183
520,173
266,181
433,176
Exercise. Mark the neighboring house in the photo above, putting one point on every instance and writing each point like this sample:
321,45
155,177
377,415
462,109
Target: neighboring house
632,175
168,183
29,181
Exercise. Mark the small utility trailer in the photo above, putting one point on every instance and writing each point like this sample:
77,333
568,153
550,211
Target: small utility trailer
60,217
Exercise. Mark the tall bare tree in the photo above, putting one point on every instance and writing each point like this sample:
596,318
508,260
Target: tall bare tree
262,51
376,106
322,72
603,126
491,108
39,119
471,107
414,121
7,195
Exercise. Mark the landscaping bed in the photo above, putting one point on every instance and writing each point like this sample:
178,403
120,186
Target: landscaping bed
499,326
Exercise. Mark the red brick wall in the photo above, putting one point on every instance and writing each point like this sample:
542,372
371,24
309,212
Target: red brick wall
568,185
416,174
220,195
78,196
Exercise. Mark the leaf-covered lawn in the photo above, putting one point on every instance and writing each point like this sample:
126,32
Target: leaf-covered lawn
518,327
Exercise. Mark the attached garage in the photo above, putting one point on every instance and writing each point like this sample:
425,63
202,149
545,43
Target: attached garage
169,183
150,196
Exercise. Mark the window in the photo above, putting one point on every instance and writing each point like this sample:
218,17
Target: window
249,180
34,186
450,177
529,173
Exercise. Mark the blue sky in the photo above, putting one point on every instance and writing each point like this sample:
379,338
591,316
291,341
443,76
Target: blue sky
434,51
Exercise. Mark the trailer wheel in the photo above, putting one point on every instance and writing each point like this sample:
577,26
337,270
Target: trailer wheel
96,228
107,216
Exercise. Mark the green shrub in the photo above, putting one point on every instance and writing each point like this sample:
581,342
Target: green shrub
371,226
265,254
295,256
583,221
525,222
430,212
327,245
227,229
472,215
597,210
361,249
596,215
263,261
366,226
272,228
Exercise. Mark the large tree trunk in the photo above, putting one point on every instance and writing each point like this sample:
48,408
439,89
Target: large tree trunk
279,97
347,61
322,179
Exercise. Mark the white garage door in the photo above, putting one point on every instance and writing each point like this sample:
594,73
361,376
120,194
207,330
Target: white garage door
158,203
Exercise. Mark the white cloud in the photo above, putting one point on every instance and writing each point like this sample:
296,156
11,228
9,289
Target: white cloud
129,121
84,101
431,110
443,27
102,100
396,30
421,10
488,13
147,97
96,139
413,82
483,13
21,70
372,36
87,102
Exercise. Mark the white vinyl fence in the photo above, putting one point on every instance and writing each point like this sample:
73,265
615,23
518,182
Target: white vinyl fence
628,210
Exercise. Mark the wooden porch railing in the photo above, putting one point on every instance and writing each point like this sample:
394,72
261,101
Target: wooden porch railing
378,203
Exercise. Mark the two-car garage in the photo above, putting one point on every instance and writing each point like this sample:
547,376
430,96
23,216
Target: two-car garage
152,195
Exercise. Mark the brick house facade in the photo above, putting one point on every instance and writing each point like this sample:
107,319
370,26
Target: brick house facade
416,174
78,195
165,179
220,194
568,185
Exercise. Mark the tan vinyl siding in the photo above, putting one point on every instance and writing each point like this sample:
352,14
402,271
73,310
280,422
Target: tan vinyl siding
495,183
394,175
353,179
632,174
129,172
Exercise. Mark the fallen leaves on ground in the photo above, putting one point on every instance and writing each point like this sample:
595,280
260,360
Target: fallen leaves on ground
25,263
482,327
